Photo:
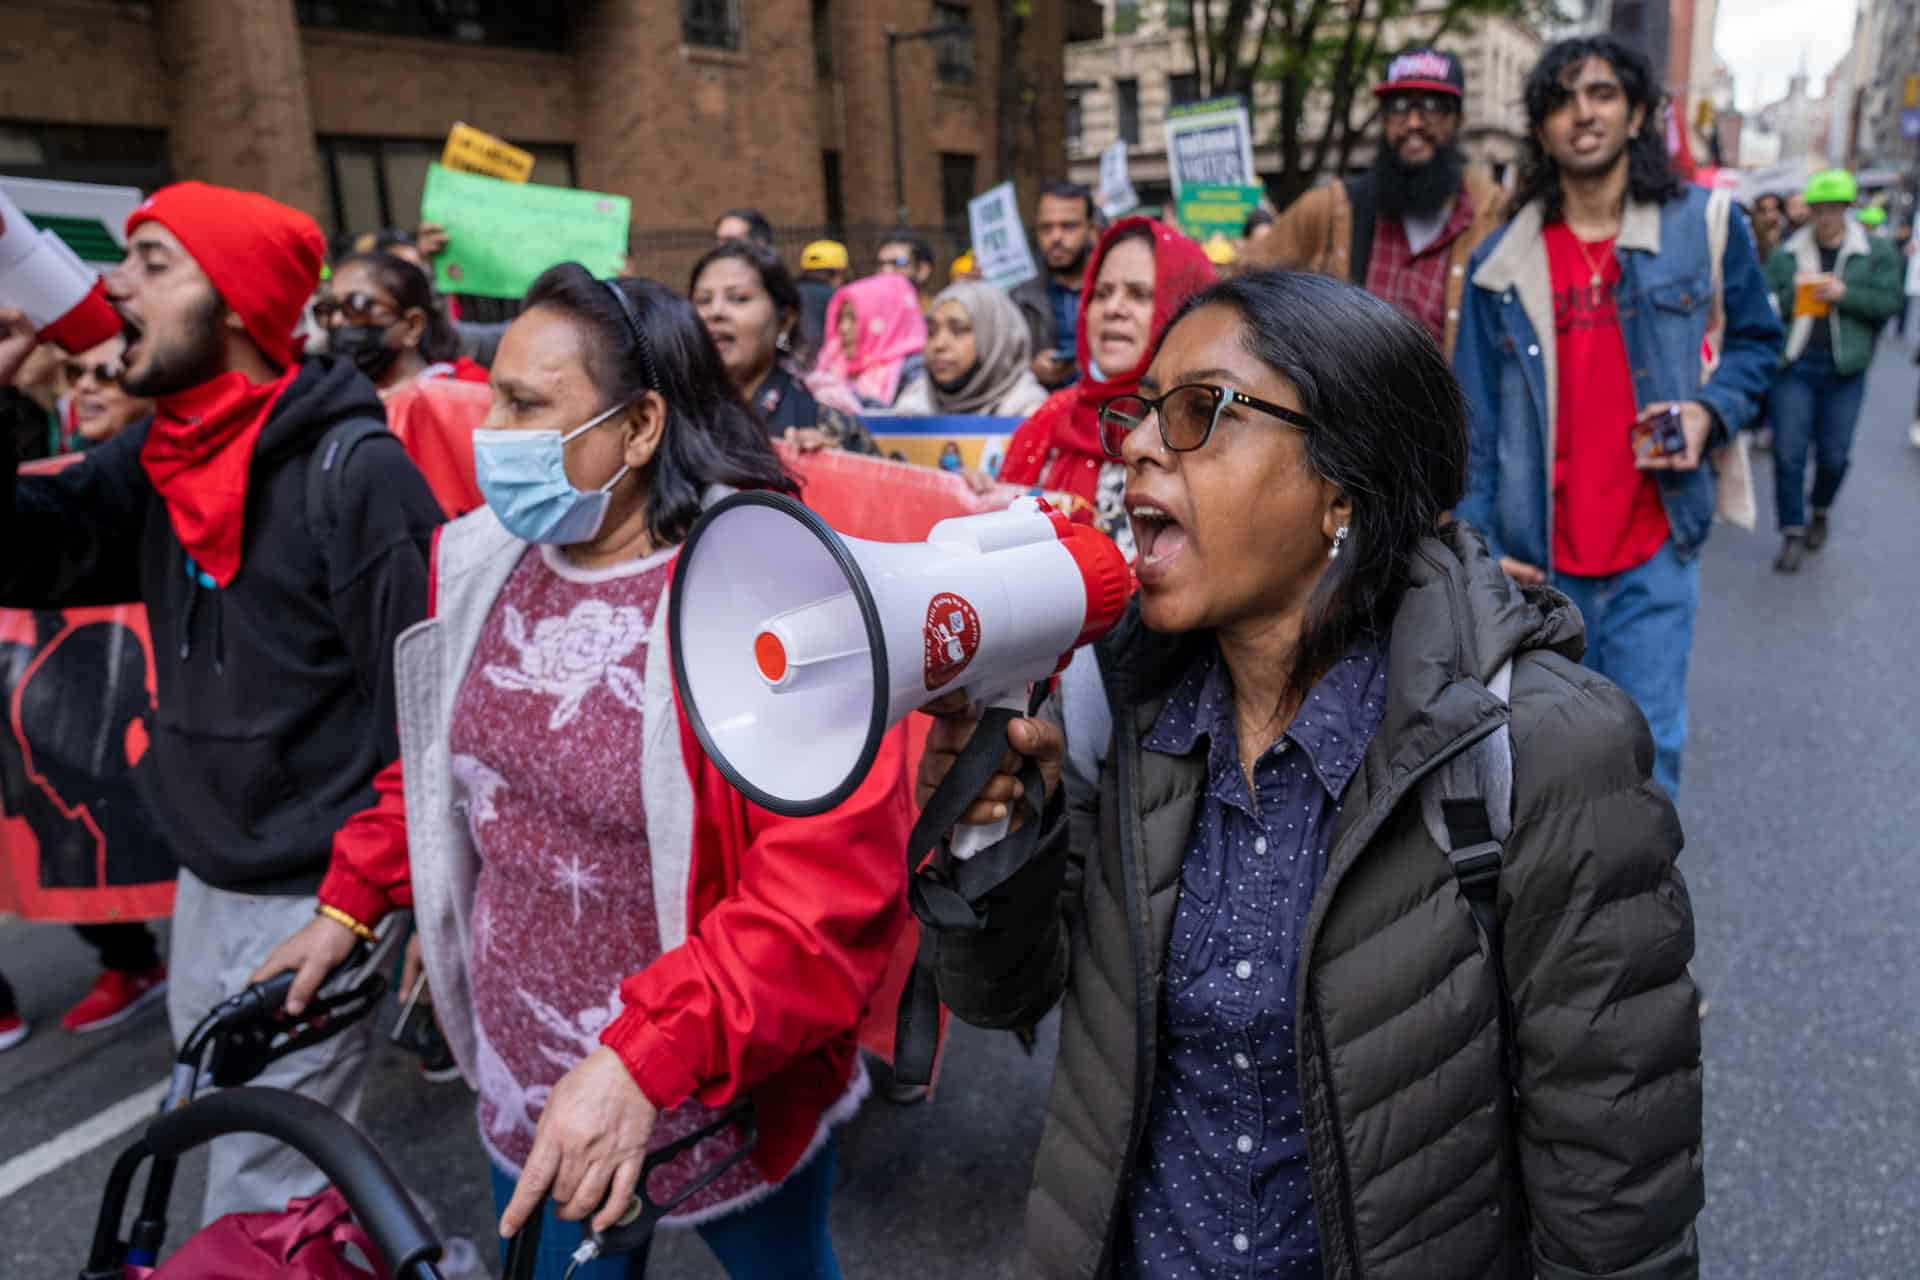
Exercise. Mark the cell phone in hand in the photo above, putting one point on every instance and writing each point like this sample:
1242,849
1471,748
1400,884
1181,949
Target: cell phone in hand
414,1029
1661,436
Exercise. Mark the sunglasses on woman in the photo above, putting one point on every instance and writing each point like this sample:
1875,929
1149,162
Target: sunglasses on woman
107,375
1188,414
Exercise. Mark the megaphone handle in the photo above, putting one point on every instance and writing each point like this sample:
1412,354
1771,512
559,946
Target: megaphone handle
968,840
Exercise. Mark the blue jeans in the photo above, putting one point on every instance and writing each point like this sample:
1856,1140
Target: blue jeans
1640,635
782,1235
1812,408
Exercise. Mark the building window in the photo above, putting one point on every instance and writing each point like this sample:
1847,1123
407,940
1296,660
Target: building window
822,40
1076,118
711,24
953,55
86,153
836,194
526,24
1185,88
1126,94
1126,17
956,188
377,182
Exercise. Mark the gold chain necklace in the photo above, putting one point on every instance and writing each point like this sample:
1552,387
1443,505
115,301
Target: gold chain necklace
1596,285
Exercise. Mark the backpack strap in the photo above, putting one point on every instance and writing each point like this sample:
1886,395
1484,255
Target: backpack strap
326,476
1467,805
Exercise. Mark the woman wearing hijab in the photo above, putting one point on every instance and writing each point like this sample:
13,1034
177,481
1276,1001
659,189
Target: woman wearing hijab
1141,273
875,336
978,350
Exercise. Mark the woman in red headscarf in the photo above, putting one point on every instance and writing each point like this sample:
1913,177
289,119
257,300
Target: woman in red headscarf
1141,273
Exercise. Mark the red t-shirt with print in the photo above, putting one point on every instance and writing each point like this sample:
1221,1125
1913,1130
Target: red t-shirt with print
1607,516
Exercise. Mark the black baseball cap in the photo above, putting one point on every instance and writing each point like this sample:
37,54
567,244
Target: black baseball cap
1424,70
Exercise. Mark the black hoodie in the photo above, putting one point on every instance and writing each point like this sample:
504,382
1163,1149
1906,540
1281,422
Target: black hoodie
275,693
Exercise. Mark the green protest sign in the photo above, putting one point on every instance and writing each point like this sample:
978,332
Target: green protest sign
502,235
1209,211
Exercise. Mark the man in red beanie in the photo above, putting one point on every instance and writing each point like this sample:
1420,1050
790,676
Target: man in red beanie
279,539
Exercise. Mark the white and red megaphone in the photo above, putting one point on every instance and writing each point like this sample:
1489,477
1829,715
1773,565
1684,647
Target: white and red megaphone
65,299
795,649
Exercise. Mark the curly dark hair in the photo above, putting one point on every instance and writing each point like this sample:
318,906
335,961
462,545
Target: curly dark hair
1650,176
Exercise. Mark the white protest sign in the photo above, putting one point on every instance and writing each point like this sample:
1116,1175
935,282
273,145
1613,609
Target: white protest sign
1000,250
1210,144
1116,195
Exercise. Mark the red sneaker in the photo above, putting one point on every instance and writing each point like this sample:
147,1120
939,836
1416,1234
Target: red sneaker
12,1031
116,996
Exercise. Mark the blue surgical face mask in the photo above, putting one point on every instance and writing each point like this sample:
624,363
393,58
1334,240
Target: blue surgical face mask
523,475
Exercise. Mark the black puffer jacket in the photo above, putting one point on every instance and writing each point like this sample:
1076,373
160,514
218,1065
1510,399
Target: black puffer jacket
1422,1168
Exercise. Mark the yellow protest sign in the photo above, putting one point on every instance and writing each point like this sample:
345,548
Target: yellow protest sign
471,150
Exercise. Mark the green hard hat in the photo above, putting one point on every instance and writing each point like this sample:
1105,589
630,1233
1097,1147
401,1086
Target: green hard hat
1832,186
1873,216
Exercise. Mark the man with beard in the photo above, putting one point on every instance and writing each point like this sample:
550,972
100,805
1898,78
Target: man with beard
1064,226
1580,357
278,538
1404,230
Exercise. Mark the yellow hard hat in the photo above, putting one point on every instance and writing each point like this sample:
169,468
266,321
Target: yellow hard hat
824,255
1220,251
962,265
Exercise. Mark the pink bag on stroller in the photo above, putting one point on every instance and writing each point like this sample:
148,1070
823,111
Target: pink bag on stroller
304,1242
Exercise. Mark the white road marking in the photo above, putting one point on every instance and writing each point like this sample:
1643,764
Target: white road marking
31,1165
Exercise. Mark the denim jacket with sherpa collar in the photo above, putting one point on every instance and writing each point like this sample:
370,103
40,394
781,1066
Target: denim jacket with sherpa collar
1508,368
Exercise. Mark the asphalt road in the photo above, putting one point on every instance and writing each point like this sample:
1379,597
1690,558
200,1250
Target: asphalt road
1801,808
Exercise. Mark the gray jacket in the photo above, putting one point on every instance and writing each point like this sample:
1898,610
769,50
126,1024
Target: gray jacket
1424,1166
1037,309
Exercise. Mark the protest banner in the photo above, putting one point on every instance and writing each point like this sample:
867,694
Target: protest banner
76,696
1210,144
90,217
1116,195
1207,211
980,442
502,235
471,150
1000,250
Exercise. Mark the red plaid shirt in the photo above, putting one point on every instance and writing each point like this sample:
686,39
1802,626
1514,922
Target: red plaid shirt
1417,282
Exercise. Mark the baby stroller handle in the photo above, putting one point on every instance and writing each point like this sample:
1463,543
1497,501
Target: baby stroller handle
379,1200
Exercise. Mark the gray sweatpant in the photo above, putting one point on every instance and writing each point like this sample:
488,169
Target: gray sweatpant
219,938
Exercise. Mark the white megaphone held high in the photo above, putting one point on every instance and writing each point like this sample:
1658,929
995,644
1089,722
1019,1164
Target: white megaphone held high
65,300
795,649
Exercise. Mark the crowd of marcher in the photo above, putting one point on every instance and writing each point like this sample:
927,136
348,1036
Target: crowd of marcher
1420,458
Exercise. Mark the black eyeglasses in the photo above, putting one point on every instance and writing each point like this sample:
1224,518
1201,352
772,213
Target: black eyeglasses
355,309
1427,104
1188,414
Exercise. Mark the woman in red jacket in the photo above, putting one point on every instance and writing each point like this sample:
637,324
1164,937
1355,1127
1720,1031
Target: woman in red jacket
618,944
1141,273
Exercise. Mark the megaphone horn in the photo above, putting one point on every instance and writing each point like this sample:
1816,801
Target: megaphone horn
795,648
64,299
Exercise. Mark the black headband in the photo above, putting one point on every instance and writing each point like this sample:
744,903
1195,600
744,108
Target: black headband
639,335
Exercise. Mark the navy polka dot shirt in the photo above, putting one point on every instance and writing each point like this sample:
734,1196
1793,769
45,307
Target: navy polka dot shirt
1222,1187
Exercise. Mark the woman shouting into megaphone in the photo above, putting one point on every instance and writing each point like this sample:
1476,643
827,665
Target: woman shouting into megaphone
1362,908
620,948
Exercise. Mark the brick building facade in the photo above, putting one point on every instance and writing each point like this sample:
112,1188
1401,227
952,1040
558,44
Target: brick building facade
686,106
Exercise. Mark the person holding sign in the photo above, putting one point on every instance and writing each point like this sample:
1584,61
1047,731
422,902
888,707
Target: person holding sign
274,622
1404,230
1142,272
1836,285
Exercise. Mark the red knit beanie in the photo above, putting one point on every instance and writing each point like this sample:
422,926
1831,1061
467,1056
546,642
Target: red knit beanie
263,258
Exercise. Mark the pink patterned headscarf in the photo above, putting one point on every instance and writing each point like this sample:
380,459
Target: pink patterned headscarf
891,328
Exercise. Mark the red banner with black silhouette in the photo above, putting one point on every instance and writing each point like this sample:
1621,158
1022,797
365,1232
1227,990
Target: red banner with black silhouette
76,693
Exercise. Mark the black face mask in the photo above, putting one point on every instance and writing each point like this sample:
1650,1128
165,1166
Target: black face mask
365,345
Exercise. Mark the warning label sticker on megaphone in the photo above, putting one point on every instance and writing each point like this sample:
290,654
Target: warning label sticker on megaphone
953,637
